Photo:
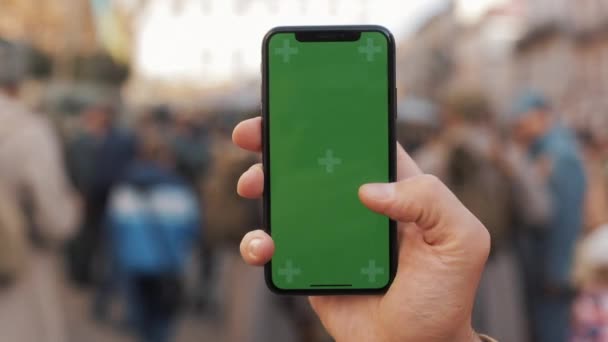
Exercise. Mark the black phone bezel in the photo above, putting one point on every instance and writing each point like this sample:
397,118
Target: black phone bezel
331,32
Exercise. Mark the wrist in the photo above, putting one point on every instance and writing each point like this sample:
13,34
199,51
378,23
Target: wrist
484,338
473,336
467,335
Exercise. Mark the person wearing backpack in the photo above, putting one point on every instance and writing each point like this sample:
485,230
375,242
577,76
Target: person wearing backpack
153,218
38,212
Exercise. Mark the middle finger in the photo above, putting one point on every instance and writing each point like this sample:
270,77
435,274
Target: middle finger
248,134
251,183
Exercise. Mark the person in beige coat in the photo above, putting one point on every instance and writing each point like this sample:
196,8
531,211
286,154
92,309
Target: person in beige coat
37,198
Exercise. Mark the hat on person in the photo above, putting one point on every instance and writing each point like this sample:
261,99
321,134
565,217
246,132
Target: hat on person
591,255
526,102
12,63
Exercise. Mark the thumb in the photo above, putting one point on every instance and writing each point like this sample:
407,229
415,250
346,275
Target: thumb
425,201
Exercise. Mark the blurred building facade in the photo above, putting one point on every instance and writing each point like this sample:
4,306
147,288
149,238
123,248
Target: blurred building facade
563,53
558,47
424,61
61,28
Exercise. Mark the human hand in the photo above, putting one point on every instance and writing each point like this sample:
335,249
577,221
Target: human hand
442,252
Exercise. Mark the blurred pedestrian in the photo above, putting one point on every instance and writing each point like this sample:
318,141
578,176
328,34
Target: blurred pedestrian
153,217
38,213
590,311
555,148
97,158
224,230
418,122
596,166
469,157
191,146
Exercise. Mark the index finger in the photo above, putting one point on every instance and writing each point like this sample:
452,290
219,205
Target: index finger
248,134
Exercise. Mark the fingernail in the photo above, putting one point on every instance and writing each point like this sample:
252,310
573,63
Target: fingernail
256,168
254,247
378,191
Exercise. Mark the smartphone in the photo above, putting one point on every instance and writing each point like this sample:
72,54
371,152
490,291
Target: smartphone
328,126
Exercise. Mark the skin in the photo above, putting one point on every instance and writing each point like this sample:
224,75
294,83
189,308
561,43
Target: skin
96,121
442,252
531,126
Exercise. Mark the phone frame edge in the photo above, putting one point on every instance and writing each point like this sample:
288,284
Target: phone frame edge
393,248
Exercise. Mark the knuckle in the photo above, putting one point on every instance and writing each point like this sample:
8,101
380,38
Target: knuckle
480,236
485,241
396,209
430,184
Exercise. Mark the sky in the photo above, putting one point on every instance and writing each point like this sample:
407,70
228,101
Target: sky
210,42
470,10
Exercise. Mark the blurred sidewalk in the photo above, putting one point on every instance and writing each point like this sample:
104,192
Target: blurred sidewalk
82,327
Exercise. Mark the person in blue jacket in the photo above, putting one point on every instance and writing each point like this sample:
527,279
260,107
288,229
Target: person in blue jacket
555,149
154,222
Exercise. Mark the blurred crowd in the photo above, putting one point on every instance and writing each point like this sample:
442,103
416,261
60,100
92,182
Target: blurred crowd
136,208
541,189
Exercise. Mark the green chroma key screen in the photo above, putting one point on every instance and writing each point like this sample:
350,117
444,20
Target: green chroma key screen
328,117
